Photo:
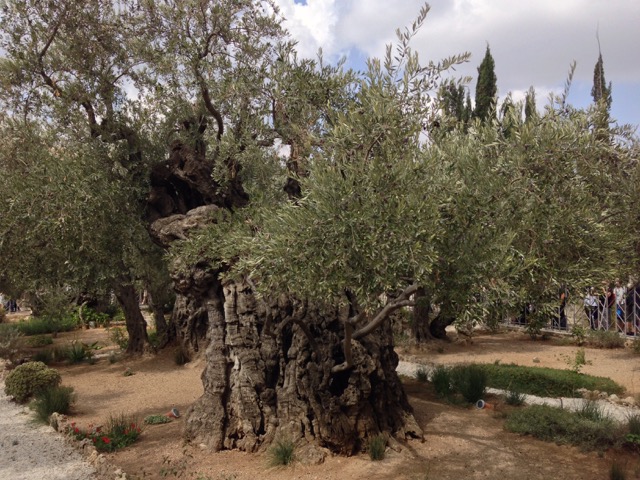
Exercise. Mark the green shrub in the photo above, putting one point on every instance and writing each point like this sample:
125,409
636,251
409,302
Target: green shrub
154,339
29,379
441,380
377,446
591,410
633,423
47,324
44,356
605,339
545,382
51,400
282,453
562,426
76,353
39,341
120,337
156,419
470,381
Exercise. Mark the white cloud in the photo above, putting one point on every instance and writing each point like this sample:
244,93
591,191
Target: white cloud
533,42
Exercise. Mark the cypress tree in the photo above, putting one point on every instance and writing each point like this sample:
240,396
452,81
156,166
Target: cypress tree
601,92
486,88
530,111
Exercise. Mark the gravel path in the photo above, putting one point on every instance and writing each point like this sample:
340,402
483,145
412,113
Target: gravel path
617,412
31,451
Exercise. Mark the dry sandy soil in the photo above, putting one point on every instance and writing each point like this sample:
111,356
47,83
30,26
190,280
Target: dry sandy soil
459,443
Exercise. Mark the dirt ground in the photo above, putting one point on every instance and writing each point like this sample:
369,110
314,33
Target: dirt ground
459,443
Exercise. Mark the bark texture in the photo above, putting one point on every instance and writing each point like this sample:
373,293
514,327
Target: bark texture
135,322
268,373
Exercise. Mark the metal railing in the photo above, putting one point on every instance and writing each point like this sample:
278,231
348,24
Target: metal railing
593,313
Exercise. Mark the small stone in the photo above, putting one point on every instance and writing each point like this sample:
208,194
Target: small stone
536,360
630,401
603,395
613,398
203,446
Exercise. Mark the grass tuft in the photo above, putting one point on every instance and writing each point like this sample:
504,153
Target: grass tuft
282,453
470,381
514,398
156,419
52,400
377,446
422,374
441,380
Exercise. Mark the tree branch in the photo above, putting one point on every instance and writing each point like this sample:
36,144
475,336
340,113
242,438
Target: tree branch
348,359
401,301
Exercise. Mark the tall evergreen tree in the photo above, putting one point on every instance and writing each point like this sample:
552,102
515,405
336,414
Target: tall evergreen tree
530,111
601,92
486,88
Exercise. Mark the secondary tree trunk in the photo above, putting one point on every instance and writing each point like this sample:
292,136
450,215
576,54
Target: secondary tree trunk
421,316
136,325
268,374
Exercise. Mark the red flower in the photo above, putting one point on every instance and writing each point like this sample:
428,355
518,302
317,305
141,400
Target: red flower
94,439
106,440
76,430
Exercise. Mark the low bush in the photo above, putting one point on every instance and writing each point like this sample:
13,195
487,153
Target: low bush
44,325
545,382
76,353
39,341
564,427
121,431
44,356
156,419
470,381
120,337
633,423
282,453
591,410
605,339
51,400
377,446
29,379
441,380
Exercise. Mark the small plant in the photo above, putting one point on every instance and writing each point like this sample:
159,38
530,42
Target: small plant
181,356
113,358
470,381
121,431
282,453
39,341
515,398
156,419
605,339
578,361
44,356
377,446
591,410
579,334
76,353
128,372
633,423
52,400
29,379
119,336
441,380
616,472
422,374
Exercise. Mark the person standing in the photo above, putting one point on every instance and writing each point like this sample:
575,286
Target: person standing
591,308
620,292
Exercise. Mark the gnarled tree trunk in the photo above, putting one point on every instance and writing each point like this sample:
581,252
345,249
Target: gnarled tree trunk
135,322
268,373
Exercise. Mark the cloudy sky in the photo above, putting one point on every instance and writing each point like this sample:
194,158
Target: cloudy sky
533,42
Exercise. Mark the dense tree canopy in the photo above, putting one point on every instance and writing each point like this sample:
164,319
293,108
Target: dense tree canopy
301,204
